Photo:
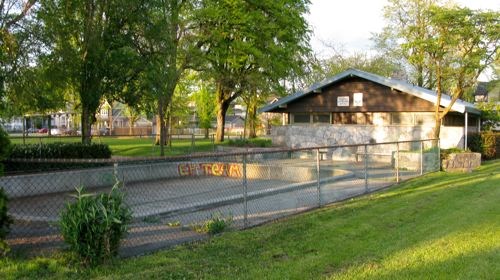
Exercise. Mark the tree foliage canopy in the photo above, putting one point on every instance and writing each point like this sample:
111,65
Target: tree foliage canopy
248,44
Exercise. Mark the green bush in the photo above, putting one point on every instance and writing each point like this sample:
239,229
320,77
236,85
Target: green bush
475,143
489,145
55,151
5,222
254,142
61,150
445,153
94,225
216,224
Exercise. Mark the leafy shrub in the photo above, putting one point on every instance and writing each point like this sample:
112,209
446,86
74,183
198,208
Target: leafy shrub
94,225
216,224
5,222
489,145
61,150
254,142
490,114
475,143
445,153
484,143
55,151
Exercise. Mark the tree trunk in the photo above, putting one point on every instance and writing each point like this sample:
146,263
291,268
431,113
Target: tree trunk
206,132
246,122
110,119
168,129
49,124
437,124
86,125
221,120
157,130
24,130
252,121
162,132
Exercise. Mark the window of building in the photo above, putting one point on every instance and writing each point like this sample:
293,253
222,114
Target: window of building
453,120
424,119
381,118
343,118
364,118
301,118
321,118
402,118
353,118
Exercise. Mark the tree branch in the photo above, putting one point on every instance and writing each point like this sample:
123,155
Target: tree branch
26,7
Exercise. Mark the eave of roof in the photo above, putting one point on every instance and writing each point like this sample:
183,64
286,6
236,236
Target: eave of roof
423,93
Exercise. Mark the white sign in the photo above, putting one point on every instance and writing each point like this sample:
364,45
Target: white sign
357,99
343,101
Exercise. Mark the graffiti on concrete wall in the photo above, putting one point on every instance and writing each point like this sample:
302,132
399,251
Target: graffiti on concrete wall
209,169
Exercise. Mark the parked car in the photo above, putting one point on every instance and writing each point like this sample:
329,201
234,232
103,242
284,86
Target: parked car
32,130
43,130
104,131
55,131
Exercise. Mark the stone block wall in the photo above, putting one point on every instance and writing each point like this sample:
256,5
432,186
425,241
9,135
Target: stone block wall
298,136
464,162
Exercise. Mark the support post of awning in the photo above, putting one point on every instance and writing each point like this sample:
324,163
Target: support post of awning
466,129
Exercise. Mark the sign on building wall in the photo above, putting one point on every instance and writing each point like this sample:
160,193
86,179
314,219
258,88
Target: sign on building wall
357,99
343,101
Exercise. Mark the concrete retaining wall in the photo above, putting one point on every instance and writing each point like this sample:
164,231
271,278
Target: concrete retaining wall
63,181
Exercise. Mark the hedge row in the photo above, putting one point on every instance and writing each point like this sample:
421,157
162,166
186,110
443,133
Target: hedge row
487,143
60,150
54,151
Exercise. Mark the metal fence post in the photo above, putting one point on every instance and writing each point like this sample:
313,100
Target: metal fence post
192,142
318,177
213,142
397,162
366,168
245,192
421,157
439,155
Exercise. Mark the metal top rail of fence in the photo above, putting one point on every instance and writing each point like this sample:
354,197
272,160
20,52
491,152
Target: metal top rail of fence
173,197
250,151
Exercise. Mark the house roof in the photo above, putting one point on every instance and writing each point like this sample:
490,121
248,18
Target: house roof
234,119
426,94
481,89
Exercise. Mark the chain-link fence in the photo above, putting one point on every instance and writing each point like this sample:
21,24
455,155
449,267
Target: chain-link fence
171,197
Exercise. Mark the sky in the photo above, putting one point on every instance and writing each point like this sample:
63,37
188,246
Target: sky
349,25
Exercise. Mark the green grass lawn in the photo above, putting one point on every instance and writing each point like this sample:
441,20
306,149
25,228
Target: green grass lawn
439,226
132,146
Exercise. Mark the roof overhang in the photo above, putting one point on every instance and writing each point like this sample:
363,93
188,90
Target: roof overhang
420,92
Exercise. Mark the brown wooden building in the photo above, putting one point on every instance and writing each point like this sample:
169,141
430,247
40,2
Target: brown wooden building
362,100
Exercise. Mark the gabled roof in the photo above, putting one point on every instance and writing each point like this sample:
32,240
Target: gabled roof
426,94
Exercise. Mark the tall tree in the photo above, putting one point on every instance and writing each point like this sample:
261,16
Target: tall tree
407,20
18,45
167,39
243,38
91,46
463,43
204,100
341,60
